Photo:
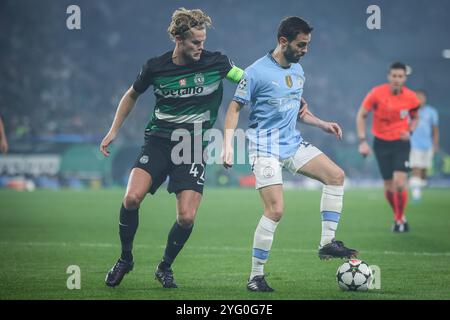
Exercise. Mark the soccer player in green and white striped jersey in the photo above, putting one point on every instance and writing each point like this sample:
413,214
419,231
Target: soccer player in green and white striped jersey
187,83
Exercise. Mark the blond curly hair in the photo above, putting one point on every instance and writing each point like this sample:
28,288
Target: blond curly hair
184,19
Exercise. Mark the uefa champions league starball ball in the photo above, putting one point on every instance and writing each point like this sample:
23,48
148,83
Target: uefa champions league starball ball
354,275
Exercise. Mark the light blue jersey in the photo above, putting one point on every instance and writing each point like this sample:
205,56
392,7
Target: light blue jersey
274,95
422,137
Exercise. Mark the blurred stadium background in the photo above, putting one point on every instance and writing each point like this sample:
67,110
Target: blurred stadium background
60,88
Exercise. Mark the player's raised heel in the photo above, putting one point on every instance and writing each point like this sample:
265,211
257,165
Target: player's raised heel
165,277
117,272
336,249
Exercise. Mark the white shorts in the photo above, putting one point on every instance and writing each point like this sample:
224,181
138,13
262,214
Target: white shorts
422,159
268,170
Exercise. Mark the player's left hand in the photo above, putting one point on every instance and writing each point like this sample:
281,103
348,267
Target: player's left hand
333,128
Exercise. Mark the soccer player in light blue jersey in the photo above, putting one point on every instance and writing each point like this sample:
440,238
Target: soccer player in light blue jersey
273,87
424,144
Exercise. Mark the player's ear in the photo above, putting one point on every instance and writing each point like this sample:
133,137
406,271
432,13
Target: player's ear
283,41
178,39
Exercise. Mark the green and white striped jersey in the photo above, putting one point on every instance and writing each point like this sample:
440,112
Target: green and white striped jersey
187,94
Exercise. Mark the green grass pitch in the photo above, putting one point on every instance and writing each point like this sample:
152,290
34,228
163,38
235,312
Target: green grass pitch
43,232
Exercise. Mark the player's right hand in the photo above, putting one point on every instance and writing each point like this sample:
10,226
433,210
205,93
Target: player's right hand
106,142
227,157
364,148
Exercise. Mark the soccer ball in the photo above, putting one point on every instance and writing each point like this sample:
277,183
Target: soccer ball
354,275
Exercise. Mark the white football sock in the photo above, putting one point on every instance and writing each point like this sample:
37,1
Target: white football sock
330,208
262,242
416,187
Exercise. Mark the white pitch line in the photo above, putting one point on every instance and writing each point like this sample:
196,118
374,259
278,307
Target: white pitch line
209,248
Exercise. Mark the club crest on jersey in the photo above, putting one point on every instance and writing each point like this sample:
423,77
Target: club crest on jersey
300,81
199,79
182,82
288,80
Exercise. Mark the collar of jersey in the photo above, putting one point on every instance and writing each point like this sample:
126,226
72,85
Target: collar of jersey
269,54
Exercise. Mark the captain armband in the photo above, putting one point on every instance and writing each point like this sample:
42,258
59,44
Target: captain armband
235,74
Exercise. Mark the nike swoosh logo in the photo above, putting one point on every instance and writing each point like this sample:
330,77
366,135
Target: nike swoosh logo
275,83
162,87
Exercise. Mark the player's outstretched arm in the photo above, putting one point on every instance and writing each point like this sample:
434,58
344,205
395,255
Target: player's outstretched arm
126,104
328,127
361,116
231,121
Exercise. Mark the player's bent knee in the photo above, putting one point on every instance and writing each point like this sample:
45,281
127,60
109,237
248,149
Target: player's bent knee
132,201
275,213
337,178
186,221
340,177
186,217
399,186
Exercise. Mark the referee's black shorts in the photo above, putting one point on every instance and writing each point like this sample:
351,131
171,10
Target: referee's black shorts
391,156
156,158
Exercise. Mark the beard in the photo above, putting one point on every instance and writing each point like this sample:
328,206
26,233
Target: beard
290,56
